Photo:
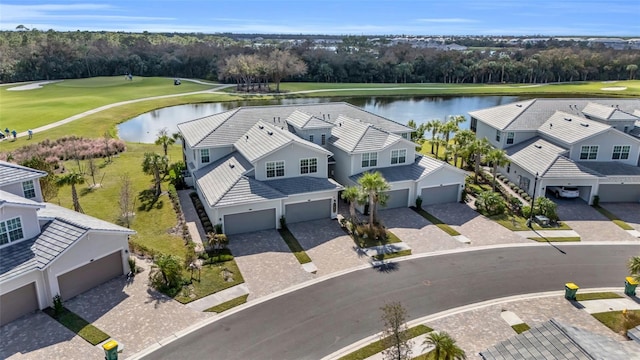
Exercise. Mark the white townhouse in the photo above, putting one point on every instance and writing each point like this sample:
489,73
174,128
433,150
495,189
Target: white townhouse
48,250
592,144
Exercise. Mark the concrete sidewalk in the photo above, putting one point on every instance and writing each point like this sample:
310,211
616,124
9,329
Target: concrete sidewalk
219,297
547,233
604,305
191,217
386,249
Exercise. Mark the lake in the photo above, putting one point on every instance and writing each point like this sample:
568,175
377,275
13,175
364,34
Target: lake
143,128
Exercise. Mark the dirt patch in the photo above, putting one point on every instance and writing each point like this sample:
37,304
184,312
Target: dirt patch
614,88
33,86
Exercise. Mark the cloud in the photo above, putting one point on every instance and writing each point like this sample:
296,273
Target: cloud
447,20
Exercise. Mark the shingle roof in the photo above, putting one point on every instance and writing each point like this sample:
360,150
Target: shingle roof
302,120
570,129
421,167
51,211
568,169
535,155
534,112
225,128
13,173
356,136
55,237
249,190
9,198
553,340
263,139
303,184
610,168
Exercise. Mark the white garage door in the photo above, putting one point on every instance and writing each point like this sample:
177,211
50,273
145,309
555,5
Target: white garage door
619,192
397,199
440,194
306,211
18,302
249,222
89,276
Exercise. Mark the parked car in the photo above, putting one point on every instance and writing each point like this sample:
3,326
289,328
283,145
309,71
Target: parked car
564,191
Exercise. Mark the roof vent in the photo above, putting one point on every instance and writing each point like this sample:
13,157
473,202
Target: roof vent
538,146
246,137
323,118
519,105
584,124
270,132
231,165
567,119
261,127
329,116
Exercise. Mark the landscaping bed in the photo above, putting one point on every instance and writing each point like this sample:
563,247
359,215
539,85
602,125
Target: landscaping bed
378,346
520,328
597,296
619,321
211,279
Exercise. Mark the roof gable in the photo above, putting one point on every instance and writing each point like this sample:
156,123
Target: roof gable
303,121
500,117
12,173
571,129
7,198
356,136
535,155
51,212
216,179
195,132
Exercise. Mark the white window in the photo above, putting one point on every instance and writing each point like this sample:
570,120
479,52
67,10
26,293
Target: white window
309,166
589,152
405,136
323,139
10,230
369,159
275,169
498,135
399,156
28,189
620,152
204,156
510,137
311,138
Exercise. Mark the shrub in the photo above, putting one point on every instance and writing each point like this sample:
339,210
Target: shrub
526,211
132,264
512,185
490,203
218,228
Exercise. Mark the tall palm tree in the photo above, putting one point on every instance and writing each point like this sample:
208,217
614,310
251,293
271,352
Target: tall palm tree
163,138
463,138
497,158
447,128
445,346
434,127
351,194
634,267
439,142
453,149
154,164
73,178
374,185
478,148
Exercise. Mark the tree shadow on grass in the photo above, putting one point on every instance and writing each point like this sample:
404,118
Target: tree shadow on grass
149,200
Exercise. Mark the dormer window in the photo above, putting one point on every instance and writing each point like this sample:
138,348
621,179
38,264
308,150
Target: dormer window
311,138
589,152
369,159
10,230
275,169
398,156
204,156
620,152
28,189
309,166
510,137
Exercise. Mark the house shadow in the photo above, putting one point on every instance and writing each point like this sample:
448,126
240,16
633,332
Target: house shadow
452,213
577,210
386,267
95,303
258,242
406,218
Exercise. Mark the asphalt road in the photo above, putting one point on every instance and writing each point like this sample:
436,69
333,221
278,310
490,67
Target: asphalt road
317,320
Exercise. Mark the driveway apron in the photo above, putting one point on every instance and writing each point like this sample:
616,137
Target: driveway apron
628,212
328,246
266,262
474,226
589,223
421,235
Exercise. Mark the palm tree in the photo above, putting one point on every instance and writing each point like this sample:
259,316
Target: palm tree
463,138
351,194
439,142
154,164
448,128
634,267
454,149
163,138
445,347
374,185
490,203
434,127
73,178
498,158
478,148
168,271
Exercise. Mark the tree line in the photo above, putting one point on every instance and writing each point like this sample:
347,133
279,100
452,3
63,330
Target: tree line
42,55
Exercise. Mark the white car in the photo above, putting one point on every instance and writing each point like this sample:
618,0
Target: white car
564,191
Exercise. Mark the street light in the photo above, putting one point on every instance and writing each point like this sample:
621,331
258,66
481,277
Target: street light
533,200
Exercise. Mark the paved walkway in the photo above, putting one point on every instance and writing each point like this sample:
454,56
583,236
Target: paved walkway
219,298
589,223
386,249
191,218
547,233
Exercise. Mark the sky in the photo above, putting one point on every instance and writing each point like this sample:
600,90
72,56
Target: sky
333,17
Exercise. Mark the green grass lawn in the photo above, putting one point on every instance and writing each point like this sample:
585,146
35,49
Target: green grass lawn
228,304
294,246
611,216
78,325
520,328
378,346
392,255
597,296
437,222
619,322
370,242
209,282
519,223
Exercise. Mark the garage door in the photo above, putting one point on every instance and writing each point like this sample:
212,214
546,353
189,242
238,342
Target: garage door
89,276
440,194
397,199
619,193
17,303
251,221
312,210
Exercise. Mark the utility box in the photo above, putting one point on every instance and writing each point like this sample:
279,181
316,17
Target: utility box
110,350
570,291
630,285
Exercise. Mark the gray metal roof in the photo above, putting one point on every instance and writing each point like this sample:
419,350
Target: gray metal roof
610,168
604,112
55,237
249,190
355,136
421,167
303,184
304,121
13,173
51,211
216,179
532,113
553,340
225,128
13,199
535,155
570,129
263,139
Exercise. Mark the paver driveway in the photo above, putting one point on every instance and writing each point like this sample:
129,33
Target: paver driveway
629,212
477,228
588,222
421,235
328,246
266,262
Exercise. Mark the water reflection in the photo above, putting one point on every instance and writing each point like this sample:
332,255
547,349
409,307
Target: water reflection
421,109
